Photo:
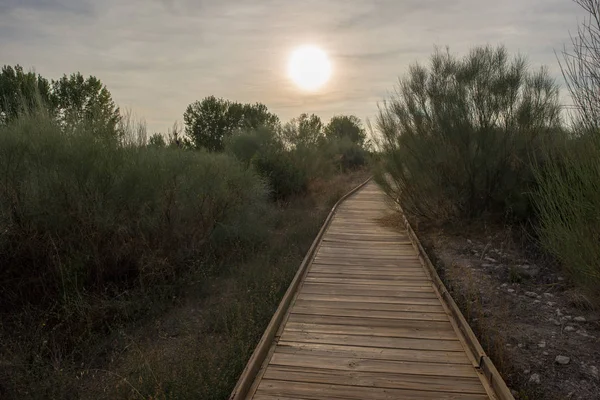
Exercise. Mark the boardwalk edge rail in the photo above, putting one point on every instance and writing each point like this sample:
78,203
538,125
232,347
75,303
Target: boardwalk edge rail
261,351
485,364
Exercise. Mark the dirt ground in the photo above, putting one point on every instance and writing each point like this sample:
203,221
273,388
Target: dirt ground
543,335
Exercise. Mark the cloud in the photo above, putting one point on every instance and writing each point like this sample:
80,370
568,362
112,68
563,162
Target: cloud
66,6
157,56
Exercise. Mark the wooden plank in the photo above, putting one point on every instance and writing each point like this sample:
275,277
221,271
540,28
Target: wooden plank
380,342
409,286
379,331
399,263
368,299
345,242
318,391
374,353
395,315
346,289
365,269
395,269
357,305
439,327
371,365
368,271
358,279
367,283
470,385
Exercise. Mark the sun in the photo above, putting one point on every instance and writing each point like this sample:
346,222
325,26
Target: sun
309,67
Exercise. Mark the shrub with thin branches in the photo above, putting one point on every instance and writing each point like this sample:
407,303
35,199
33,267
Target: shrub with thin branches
456,137
568,193
83,214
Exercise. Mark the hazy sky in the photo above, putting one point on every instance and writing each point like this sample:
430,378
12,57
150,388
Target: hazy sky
157,56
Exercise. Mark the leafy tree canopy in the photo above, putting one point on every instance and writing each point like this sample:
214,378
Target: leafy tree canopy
80,100
71,100
304,131
346,126
209,122
20,92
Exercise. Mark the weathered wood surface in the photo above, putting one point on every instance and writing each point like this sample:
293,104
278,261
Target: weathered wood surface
367,322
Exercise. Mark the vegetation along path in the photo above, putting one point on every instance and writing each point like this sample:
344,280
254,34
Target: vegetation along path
367,318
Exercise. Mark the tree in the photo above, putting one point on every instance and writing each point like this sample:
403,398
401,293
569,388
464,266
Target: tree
304,131
258,116
210,121
85,101
21,91
157,140
346,126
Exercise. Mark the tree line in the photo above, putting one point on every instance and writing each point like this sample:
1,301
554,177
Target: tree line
74,100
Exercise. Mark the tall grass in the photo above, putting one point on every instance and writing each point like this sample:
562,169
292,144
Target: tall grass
568,199
456,137
568,195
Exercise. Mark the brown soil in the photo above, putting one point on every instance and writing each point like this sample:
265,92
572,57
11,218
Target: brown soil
527,315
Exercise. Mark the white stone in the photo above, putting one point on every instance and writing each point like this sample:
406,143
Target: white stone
535,378
579,319
542,344
563,360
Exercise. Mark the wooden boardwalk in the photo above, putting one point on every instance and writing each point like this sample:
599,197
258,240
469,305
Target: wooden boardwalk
367,321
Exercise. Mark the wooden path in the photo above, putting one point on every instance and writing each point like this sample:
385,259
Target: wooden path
367,318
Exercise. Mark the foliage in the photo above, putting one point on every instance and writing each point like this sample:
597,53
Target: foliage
567,199
286,176
346,127
209,122
72,100
85,100
580,68
265,152
347,154
21,92
244,145
568,192
157,140
457,137
304,131
86,217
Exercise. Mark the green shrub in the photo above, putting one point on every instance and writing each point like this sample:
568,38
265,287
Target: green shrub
457,137
347,154
285,174
82,214
567,200
287,171
245,145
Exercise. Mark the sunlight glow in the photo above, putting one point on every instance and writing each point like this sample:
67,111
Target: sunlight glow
309,67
